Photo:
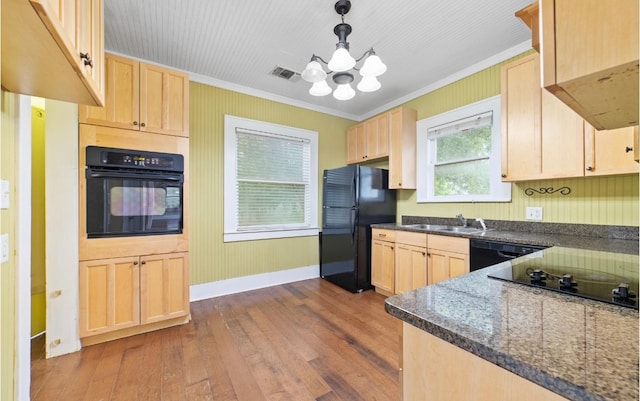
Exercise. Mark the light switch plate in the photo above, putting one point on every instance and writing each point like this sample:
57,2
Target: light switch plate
534,213
4,248
4,194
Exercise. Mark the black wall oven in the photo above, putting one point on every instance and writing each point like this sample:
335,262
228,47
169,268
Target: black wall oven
132,193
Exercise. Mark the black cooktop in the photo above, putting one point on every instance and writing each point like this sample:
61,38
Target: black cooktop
602,276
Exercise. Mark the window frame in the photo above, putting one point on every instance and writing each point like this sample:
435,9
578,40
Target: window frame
231,231
425,165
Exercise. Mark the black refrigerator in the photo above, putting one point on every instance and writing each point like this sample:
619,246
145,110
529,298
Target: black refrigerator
353,198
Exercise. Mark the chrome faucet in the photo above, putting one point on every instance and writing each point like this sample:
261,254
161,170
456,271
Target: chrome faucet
462,220
481,221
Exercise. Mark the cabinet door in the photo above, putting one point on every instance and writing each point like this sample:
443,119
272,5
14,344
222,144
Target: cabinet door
383,265
377,133
164,287
610,152
402,148
356,143
521,109
109,295
91,43
444,265
122,99
411,268
164,101
562,139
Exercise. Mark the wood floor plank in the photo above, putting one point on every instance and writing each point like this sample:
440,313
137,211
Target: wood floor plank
307,340
219,380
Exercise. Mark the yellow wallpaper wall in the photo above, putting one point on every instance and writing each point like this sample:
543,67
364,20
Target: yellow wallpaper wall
210,258
7,226
38,298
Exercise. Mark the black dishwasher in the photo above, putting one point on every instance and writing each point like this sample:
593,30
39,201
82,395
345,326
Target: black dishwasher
483,253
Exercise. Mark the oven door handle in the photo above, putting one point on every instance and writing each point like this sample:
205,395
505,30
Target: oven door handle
509,255
143,176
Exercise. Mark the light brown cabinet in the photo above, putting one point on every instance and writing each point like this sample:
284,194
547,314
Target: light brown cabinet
402,148
383,261
368,140
402,261
356,144
611,152
542,138
391,134
410,261
54,49
121,293
590,58
142,97
434,369
448,257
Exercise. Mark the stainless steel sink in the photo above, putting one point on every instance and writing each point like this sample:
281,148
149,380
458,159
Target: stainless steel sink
451,229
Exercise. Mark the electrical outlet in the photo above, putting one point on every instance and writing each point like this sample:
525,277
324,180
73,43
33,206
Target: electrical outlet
534,213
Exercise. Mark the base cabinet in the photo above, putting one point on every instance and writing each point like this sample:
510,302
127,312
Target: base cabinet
383,261
121,293
402,261
410,261
433,369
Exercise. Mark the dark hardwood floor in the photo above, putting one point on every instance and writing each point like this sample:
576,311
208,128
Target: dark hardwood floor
308,340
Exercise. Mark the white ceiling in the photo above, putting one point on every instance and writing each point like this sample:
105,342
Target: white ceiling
235,44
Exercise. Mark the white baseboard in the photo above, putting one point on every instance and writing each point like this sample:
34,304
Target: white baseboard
247,283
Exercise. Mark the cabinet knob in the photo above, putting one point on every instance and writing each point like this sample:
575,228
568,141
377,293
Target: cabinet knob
135,123
628,149
382,235
503,176
143,262
87,59
143,124
589,168
399,184
135,263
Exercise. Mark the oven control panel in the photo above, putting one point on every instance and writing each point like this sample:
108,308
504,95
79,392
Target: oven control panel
136,159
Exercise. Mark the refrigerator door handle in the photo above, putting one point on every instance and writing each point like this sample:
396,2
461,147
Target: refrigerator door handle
352,223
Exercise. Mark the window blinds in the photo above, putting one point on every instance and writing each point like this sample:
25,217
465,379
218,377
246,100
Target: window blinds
474,122
272,180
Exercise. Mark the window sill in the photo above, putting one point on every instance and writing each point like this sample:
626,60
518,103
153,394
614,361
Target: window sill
262,235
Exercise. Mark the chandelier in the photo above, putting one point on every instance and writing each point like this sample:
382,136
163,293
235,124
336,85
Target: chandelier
340,64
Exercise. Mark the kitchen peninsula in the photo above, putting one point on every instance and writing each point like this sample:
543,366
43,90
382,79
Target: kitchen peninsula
478,338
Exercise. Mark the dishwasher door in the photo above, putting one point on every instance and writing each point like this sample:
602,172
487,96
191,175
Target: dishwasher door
483,253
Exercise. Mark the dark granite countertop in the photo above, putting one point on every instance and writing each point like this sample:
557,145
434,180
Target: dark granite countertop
575,347
600,238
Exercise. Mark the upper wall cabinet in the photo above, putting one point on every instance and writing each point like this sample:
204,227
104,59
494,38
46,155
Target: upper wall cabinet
368,140
142,97
542,138
54,49
589,61
391,134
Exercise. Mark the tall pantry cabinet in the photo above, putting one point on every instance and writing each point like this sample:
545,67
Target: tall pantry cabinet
132,285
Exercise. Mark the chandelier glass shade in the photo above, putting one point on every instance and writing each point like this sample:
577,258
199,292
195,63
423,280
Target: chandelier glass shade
341,64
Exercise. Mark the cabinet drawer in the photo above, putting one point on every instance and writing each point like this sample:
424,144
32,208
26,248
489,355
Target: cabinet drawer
383,235
410,238
450,244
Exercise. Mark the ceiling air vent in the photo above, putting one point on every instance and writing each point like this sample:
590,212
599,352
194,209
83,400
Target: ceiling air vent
285,73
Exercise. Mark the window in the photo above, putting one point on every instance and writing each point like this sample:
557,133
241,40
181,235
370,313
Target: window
270,180
458,155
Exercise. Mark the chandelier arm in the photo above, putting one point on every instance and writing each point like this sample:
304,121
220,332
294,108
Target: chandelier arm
318,58
366,54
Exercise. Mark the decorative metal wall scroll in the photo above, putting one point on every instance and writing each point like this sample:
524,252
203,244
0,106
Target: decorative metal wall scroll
547,191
